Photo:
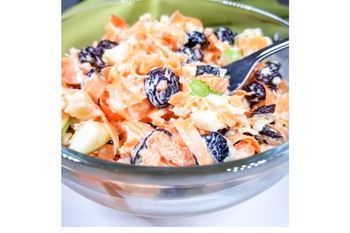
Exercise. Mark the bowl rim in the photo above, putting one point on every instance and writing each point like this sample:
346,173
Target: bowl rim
257,161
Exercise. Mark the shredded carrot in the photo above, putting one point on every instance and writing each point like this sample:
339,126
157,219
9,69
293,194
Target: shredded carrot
238,137
118,22
215,83
112,130
95,86
71,74
106,109
135,131
193,140
282,103
174,133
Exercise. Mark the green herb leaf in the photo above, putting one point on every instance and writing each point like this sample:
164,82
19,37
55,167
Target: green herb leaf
201,88
231,54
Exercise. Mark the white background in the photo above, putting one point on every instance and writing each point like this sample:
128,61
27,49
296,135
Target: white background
270,208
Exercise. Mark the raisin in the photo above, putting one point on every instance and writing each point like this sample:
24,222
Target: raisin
208,69
90,73
195,38
159,95
270,132
269,74
256,92
194,54
87,55
110,142
225,35
152,125
265,109
103,45
248,134
217,145
94,55
223,131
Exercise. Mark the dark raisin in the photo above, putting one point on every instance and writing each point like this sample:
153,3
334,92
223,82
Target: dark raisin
91,72
110,142
99,63
195,38
271,66
152,125
164,131
159,95
270,132
265,109
87,55
208,69
194,54
260,139
225,35
269,74
248,134
217,145
94,55
103,45
223,131
135,154
256,92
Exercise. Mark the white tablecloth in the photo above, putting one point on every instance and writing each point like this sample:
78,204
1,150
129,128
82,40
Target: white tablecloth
270,208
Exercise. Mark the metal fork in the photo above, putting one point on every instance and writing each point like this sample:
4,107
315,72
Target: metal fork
240,70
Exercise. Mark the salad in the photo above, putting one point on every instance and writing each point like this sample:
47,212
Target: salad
155,94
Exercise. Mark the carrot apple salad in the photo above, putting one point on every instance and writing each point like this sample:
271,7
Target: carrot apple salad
154,94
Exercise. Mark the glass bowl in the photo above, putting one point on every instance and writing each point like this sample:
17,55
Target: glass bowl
169,191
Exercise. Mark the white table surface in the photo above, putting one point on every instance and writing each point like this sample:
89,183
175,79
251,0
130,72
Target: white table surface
270,208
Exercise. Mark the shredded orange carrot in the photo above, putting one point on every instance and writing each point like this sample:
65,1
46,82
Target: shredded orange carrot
193,140
168,122
135,131
112,130
118,22
244,149
251,40
95,86
71,74
215,83
282,103
238,137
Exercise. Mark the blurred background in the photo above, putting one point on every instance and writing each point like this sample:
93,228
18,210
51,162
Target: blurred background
277,7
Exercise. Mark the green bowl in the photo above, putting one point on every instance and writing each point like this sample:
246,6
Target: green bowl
82,25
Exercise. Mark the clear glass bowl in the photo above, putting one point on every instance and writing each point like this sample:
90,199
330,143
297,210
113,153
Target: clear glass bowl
161,191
